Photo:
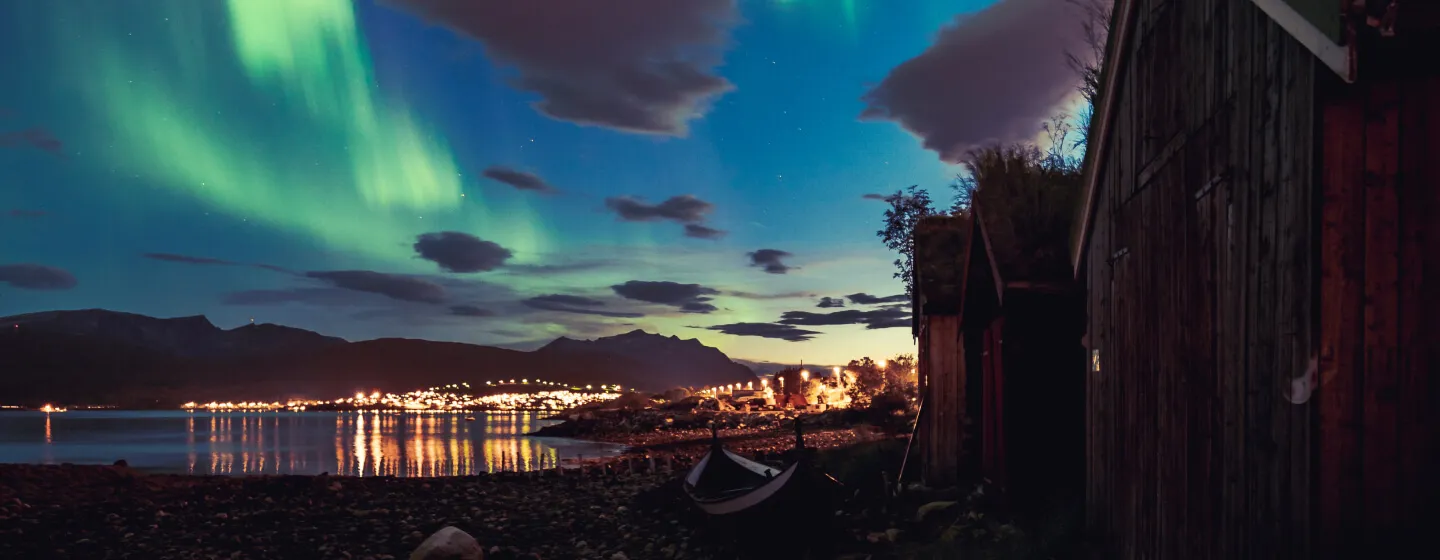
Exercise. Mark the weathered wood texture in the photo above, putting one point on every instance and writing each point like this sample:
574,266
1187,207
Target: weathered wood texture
1254,214
940,253
942,371
1200,271
1380,345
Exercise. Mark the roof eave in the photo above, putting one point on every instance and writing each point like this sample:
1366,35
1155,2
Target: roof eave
1098,142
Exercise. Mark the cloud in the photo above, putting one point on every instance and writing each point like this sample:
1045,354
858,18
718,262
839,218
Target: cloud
574,304
867,299
701,232
875,196
770,260
461,252
828,302
689,298
470,311
22,213
783,295
36,137
188,259
403,288
765,330
990,76
563,299
327,297
685,209
519,179
872,318
36,277
557,268
642,66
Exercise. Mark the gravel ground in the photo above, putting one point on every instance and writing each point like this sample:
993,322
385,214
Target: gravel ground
96,512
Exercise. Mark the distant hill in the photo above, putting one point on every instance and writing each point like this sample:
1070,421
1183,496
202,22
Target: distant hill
674,361
106,357
192,336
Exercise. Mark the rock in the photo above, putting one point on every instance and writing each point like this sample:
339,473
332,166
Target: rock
892,534
449,543
931,508
121,463
619,556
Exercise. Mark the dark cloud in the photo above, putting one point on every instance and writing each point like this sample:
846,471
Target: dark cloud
698,307
470,311
875,196
701,232
327,297
461,252
403,288
36,277
685,209
575,304
770,260
636,65
189,259
783,295
828,302
564,299
990,76
171,257
765,330
519,179
867,299
36,137
563,267
871,318
690,298
22,213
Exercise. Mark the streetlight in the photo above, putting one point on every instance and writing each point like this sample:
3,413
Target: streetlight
764,382
804,375
881,363
837,372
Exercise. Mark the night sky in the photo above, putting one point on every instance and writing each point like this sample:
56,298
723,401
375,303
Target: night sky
498,171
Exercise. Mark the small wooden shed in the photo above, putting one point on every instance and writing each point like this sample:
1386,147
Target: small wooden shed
1001,364
1260,251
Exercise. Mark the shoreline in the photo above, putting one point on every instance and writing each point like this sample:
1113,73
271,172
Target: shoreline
618,508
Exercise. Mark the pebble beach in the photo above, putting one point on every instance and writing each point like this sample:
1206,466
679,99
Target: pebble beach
620,509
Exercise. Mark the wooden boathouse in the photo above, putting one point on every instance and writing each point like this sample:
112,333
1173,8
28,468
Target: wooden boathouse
1260,250
1001,364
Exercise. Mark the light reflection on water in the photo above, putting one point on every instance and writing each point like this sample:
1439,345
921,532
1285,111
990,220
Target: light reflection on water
346,443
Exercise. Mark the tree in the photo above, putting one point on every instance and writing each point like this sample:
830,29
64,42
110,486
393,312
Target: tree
900,377
864,381
1090,64
906,210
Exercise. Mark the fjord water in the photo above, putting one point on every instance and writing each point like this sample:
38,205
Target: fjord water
307,443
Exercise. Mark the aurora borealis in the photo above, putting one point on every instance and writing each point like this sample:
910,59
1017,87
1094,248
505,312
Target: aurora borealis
494,172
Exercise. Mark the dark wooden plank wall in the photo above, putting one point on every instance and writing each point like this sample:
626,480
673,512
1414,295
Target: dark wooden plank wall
1380,343
942,370
1200,274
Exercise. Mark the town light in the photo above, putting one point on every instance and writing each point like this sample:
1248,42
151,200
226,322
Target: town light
881,363
764,382
804,375
837,371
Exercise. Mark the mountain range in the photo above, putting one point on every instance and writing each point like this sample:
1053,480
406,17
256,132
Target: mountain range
97,356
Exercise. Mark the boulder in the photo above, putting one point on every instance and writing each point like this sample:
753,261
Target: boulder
449,543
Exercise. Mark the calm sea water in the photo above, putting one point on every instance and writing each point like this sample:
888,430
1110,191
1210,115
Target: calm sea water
239,443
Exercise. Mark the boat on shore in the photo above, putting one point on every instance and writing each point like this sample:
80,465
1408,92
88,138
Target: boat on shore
724,484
